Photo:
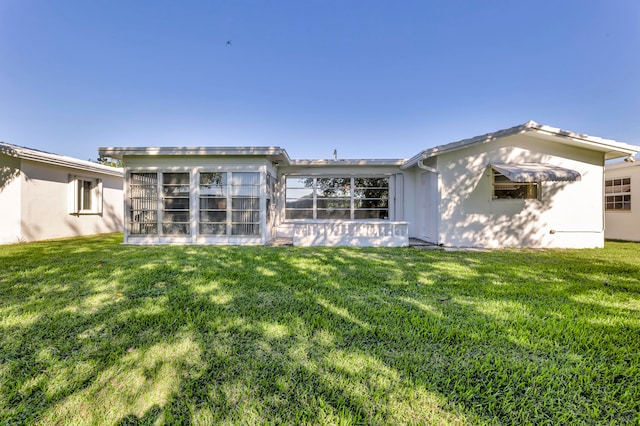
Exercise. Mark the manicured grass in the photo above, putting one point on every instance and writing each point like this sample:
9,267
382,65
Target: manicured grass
94,332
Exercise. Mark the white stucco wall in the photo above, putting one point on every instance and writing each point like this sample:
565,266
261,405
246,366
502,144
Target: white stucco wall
624,225
568,214
45,203
10,183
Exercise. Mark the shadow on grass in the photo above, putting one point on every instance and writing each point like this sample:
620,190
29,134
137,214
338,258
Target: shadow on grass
96,332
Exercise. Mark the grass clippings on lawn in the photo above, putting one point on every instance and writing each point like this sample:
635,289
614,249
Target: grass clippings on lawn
94,332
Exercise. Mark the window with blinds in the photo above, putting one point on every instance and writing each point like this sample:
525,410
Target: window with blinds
213,203
143,203
175,204
245,203
227,203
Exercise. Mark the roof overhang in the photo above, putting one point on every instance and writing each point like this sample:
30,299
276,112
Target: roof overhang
349,162
536,172
621,165
274,154
57,160
611,149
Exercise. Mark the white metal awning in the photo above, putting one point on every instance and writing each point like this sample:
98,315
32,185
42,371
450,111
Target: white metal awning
536,172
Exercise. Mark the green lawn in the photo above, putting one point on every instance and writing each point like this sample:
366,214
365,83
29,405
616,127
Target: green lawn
94,332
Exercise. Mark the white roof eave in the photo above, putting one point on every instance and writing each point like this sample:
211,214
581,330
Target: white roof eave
58,160
611,148
350,162
275,153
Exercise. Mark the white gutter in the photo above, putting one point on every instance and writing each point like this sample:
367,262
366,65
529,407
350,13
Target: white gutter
427,168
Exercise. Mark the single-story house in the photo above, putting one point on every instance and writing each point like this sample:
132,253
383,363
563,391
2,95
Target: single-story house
526,186
622,207
46,196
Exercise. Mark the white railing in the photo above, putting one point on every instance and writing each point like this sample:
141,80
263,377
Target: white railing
378,233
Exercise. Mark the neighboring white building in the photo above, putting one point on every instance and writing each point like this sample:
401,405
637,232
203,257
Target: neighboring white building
46,196
527,186
622,201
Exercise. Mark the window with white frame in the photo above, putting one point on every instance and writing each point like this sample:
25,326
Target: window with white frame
270,195
143,203
227,203
617,194
85,195
245,203
506,189
337,198
213,203
175,204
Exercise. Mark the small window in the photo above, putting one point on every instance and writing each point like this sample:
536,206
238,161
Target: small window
506,189
617,194
85,195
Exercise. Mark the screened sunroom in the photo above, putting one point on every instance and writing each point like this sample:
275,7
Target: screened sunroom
252,195
201,206
199,195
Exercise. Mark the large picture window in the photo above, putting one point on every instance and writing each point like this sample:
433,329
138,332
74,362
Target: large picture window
337,198
618,194
506,189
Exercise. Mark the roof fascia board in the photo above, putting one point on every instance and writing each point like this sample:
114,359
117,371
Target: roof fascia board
57,160
464,143
611,148
349,162
277,153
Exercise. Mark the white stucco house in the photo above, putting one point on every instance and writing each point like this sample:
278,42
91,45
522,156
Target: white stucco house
46,196
622,200
527,186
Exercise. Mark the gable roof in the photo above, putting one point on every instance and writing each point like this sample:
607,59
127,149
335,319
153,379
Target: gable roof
611,148
56,159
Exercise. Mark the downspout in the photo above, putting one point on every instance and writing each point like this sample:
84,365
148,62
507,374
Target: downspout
427,168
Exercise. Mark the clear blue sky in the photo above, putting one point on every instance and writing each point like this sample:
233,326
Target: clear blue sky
372,79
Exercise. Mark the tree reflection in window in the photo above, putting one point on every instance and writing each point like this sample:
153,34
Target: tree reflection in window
337,198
